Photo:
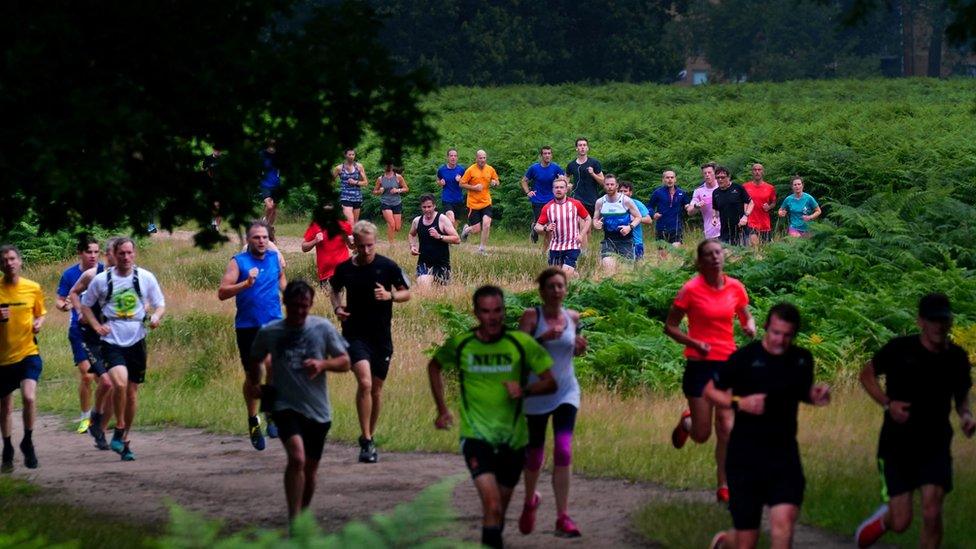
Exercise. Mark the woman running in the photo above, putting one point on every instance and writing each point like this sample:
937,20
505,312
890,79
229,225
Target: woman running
556,328
710,300
801,207
390,187
352,178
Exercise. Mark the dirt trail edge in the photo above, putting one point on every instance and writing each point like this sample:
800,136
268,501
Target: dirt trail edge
222,476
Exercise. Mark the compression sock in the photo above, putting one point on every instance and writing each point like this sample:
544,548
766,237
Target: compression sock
118,434
491,536
27,434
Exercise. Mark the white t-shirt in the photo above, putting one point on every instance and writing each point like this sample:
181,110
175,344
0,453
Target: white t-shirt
124,310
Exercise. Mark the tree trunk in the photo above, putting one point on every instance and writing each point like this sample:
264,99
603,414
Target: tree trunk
908,37
937,17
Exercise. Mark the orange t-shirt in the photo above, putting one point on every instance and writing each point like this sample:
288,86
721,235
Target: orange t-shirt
479,176
762,193
710,313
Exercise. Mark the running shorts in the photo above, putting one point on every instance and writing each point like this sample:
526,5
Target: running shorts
558,258
313,433
909,471
697,375
12,374
245,339
77,340
398,209
441,274
457,208
377,353
756,481
133,358
670,237
356,205
475,216
503,461
623,248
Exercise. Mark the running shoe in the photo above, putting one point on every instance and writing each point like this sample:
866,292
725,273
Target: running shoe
151,229
7,463
722,494
482,251
718,542
117,445
679,436
464,235
257,438
272,428
83,425
527,520
871,530
99,435
566,528
127,454
367,451
30,458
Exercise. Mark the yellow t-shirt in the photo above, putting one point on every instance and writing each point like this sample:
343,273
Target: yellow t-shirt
26,302
479,176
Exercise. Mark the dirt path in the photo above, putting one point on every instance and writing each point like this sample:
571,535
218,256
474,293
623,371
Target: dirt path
222,476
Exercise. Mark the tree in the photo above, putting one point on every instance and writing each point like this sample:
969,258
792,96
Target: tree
107,107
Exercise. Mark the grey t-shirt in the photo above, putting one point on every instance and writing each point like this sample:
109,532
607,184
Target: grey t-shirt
289,346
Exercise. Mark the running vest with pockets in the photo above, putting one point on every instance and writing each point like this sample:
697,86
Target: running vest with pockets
562,351
99,313
347,191
433,252
261,303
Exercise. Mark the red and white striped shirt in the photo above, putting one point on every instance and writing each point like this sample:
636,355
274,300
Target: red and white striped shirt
566,216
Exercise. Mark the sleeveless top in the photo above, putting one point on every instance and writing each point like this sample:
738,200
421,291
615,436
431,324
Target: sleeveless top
388,198
561,350
347,191
614,216
261,303
433,252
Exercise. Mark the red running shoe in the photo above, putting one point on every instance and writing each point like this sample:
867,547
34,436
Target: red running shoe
681,431
871,530
566,528
722,494
527,520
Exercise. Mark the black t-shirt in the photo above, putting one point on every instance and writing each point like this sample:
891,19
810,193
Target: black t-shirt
586,188
926,380
784,379
730,204
368,318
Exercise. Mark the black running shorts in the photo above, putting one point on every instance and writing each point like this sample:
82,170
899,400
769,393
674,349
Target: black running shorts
245,339
503,461
757,480
377,353
697,375
909,471
313,433
133,358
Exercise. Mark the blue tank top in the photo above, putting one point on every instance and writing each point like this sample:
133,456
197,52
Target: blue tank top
261,303
347,191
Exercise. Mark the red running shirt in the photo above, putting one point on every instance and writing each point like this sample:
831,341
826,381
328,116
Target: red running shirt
566,216
710,313
330,252
760,194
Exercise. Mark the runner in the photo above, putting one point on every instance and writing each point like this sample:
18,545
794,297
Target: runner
122,293
557,329
617,215
92,341
390,187
541,174
763,384
567,221
21,317
923,374
430,237
448,177
701,199
801,207
478,179
270,185
733,205
588,179
302,347
331,249
667,201
763,196
627,189
254,279
351,177
493,366
372,283
88,253
710,300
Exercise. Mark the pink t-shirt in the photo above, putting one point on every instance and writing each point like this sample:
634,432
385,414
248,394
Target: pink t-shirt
710,313
703,196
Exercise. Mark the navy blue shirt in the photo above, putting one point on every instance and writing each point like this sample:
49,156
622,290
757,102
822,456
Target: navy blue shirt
68,280
451,192
670,207
542,178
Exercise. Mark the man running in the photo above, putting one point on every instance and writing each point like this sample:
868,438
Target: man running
923,374
588,178
270,184
764,382
493,366
617,215
733,205
701,199
448,177
302,348
352,178
763,195
21,317
372,283
627,189
477,180
431,235
88,253
541,174
667,201
254,278
123,292
566,220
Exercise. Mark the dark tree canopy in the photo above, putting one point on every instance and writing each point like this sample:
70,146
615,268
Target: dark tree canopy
108,107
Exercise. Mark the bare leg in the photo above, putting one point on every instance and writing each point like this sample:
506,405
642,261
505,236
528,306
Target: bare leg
932,497
560,486
311,476
723,428
899,515
701,418
376,394
84,386
782,520
295,475
28,395
485,229
364,397
6,410
130,408
388,217
120,381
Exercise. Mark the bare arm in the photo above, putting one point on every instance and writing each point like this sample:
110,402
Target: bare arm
525,187
316,366
816,213
282,280
308,245
528,321
363,180
378,188
871,386
412,236
450,234
80,286
546,384
444,418
672,329
229,287
746,321
402,189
